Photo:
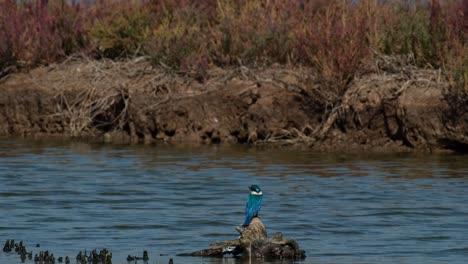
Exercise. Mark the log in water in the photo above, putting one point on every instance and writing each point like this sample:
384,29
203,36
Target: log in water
254,242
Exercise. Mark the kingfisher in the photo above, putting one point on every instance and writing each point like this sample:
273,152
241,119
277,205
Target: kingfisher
253,205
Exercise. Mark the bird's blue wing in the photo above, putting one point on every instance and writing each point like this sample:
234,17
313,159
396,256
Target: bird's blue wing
252,208
249,213
259,205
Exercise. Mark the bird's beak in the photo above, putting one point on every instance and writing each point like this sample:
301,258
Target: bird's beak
250,187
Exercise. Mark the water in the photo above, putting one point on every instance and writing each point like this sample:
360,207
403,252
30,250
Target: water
340,208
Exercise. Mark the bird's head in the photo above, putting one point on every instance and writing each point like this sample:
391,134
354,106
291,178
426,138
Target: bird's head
255,190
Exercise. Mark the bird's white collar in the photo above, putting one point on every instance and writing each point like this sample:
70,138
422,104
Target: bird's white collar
256,193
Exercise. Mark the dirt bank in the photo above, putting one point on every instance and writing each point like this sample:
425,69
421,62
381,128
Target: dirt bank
386,109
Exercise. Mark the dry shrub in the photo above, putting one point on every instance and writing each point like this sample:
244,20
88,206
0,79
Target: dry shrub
424,30
456,68
119,28
178,40
333,38
406,31
7,33
37,32
69,26
28,31
253,31
455,48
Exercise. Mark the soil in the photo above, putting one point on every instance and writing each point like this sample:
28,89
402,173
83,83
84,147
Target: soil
386,109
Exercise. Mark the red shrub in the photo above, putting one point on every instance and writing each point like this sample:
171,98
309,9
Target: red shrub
37,31
333,38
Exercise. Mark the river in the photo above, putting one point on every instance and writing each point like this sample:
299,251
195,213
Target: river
340,208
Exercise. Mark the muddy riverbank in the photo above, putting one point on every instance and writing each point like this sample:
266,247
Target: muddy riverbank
389,108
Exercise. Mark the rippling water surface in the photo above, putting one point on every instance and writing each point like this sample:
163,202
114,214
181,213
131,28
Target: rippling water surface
341,208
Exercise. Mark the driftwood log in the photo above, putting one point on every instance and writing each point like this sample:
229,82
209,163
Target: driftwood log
254,242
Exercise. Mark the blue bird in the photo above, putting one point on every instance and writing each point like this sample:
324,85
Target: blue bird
254,203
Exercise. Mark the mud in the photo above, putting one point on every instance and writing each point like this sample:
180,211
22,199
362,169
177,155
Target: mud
385,109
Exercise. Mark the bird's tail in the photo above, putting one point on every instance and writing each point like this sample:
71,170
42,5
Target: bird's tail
248,219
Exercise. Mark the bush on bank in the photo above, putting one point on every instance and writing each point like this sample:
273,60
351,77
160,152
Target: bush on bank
334,36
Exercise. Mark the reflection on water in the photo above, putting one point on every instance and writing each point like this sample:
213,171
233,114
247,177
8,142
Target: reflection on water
341,208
